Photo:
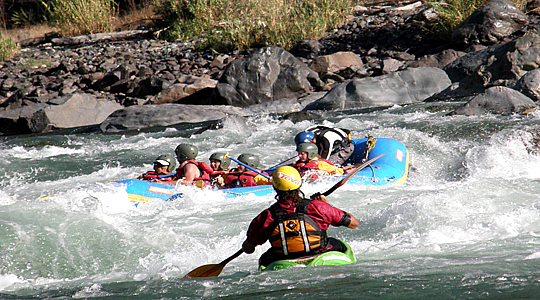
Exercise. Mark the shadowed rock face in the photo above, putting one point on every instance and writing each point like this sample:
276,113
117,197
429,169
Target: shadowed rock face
490,24
497,65
269,74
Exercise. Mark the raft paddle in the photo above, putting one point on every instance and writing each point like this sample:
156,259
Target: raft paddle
213,270
272,169
166,175
243,164
344,180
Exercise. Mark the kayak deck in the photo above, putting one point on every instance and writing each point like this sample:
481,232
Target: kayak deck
330,258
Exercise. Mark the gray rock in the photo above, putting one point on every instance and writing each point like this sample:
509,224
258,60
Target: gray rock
15,121
497,65
497,100
409,86
78,110
490,23
269,74
529,84
145,116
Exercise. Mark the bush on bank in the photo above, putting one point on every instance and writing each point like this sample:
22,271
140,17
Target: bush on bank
8,48
76,17
241,24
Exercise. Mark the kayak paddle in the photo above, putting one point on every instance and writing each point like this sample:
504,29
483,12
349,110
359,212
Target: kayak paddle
344,180
212,270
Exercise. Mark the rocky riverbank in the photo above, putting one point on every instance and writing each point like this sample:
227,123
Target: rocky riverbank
384,55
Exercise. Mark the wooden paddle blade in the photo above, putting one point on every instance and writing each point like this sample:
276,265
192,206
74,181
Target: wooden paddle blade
212,270
205,271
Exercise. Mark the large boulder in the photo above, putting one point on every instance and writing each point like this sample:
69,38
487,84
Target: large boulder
146,116
16,120
490,24
529,84
405,87
269,74
497,65
497,100
71,111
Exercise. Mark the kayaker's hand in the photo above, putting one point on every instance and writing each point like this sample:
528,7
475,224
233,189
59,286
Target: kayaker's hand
220,181
320,197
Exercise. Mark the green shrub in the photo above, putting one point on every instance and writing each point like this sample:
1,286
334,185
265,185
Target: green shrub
8,48
76,17
241,24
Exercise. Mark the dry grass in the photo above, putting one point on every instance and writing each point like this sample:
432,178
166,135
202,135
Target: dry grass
241,24
23,33
134,18
130,21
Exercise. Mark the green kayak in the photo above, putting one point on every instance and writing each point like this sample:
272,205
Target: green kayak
330,258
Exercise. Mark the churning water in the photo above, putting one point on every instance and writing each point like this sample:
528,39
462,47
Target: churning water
465,225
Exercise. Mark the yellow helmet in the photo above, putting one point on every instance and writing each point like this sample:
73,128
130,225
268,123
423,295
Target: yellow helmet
286,179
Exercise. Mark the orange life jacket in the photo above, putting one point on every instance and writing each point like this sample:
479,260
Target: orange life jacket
296,233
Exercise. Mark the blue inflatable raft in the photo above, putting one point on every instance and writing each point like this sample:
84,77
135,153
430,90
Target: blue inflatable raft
392,168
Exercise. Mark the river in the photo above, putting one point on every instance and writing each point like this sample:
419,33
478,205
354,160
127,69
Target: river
465,225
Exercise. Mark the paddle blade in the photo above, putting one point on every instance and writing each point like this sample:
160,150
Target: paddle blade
205,271
212,270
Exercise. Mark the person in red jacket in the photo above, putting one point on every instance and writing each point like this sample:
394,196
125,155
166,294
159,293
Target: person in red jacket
191,172
219,162
311,164
242,176
295,226
163,165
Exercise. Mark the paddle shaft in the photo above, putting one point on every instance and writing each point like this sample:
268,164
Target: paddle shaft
344,180
166,175
279,164
226,261
212,270
243,164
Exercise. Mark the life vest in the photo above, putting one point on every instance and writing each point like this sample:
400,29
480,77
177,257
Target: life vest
311,165
203,179
247,178
330,140
296,234
151,175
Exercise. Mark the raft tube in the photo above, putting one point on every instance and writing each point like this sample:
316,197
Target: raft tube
392,168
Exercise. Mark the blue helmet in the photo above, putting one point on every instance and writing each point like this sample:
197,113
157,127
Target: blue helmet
304,137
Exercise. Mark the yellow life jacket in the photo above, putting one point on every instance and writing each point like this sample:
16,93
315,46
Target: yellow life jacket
296,233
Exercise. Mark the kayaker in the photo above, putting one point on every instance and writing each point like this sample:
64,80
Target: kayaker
311,164
295,226
220,166
191,172
335,144
163,165
242,176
